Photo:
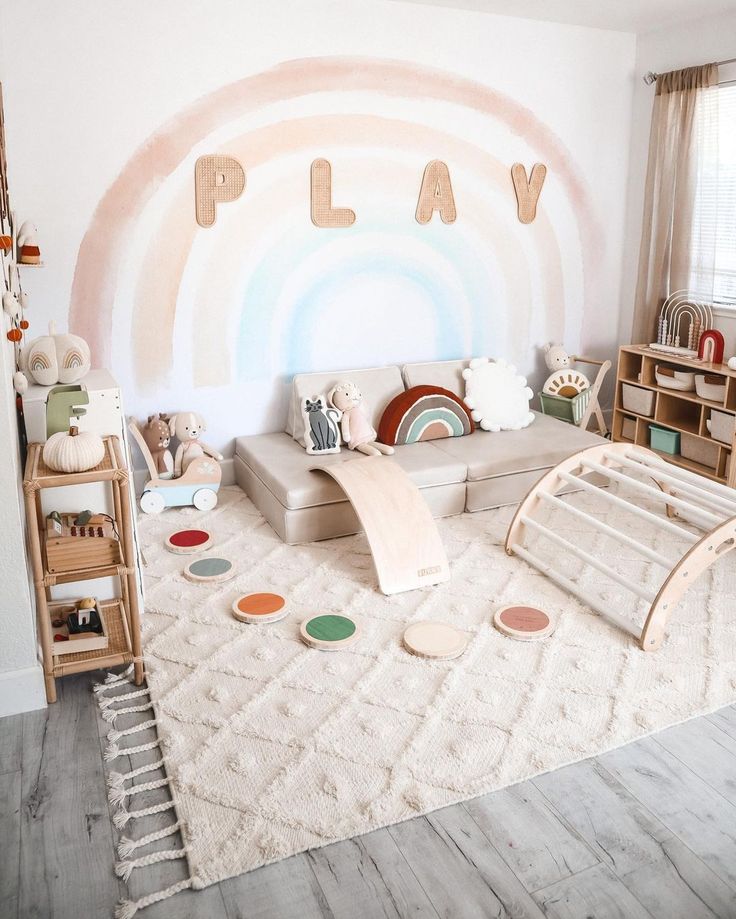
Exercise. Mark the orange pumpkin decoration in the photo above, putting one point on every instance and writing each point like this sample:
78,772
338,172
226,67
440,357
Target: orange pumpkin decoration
24,324
15,335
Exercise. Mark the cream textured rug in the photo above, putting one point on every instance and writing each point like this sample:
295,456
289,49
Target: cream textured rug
273,748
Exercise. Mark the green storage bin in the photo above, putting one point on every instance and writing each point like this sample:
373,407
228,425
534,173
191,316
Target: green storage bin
664,440
565,409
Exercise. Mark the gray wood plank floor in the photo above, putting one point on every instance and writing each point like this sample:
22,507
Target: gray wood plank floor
647,831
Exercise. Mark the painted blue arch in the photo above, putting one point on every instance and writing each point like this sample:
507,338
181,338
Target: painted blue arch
488,318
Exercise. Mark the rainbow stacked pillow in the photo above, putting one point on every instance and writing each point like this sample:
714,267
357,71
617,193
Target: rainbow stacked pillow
424,413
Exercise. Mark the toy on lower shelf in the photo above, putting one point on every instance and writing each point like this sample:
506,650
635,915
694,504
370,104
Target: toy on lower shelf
77,627
198,484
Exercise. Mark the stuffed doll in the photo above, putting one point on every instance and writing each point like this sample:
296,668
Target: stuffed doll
157,436
357,432
557,360
186,427
28,251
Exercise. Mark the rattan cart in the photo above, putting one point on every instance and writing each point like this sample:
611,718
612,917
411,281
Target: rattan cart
120,613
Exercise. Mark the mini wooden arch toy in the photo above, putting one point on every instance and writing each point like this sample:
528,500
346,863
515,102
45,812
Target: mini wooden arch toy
706,505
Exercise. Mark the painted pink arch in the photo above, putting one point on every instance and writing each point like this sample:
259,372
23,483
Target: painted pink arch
98,261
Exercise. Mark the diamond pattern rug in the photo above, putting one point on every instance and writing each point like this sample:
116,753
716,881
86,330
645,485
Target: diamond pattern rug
273,748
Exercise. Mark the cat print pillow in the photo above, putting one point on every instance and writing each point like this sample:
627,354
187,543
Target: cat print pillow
321,425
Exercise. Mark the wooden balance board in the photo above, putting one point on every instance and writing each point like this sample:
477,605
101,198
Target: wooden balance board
329,632
186,542
210,568
525,623
436,640
405,544
260,608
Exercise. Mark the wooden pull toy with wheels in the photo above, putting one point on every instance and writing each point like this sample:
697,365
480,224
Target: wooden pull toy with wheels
197,473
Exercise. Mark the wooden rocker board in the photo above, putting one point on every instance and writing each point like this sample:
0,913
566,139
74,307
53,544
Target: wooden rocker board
329,632
186,542
260,608
436,640
210,568
402,535
525,623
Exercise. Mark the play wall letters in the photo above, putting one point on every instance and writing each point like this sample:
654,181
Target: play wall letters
219,179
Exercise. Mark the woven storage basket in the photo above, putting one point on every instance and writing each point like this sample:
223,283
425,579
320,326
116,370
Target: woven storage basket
722,426
699,451
638,400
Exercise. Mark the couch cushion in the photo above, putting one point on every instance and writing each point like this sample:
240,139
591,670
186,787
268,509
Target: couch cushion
284,467
544,443
378,385
447,374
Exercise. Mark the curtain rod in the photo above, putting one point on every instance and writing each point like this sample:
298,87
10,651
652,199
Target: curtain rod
651,77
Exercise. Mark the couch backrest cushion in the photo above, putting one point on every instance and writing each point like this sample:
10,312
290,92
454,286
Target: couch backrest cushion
378,385
447,374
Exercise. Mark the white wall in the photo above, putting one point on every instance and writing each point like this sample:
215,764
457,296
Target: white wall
698,42
21,677
215,320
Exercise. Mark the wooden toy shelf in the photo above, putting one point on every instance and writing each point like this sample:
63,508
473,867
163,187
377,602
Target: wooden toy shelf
675,410
121,613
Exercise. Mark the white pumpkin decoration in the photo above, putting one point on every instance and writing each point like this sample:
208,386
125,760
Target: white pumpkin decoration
73,452
56,358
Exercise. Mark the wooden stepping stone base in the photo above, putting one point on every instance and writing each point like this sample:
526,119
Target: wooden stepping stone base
329,632
210,568
260,608
435,640
186,542
524,623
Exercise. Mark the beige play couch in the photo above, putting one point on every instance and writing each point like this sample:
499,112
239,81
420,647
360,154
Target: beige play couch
456,474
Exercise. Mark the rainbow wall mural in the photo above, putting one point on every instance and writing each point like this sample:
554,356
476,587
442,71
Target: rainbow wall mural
264,293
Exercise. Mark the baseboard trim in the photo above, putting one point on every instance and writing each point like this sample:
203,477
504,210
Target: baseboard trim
22,691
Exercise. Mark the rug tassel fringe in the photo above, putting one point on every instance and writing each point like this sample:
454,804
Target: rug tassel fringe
126,846
118,794
117,779
115,736
127,866
123,816
114,679
113,750
110,714
126,909
123,697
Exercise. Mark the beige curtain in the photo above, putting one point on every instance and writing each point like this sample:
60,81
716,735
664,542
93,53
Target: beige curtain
677,251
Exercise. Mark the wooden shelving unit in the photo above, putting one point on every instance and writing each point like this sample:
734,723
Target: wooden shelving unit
675,410
121,613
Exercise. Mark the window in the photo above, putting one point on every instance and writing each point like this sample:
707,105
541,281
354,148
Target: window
714,221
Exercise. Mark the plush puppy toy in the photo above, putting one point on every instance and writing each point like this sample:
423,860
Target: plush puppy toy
186,427
357,431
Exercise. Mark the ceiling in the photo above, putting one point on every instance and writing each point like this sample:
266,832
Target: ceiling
619,15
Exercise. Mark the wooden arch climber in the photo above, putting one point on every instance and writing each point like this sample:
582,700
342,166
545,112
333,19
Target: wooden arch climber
704,504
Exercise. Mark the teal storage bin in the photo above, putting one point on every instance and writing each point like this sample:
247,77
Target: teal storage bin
664,440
